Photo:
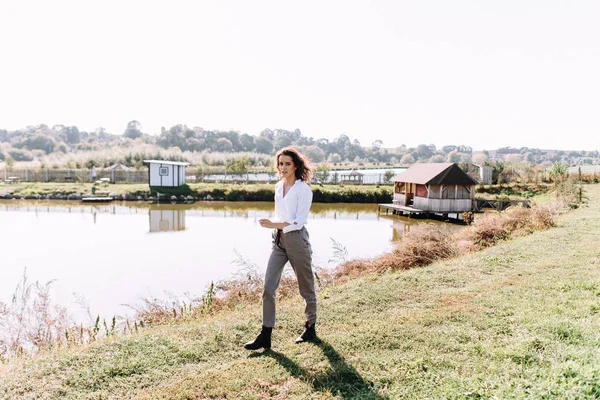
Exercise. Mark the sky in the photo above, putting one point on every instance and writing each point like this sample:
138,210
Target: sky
485,74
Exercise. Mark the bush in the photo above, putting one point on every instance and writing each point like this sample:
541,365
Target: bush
183,190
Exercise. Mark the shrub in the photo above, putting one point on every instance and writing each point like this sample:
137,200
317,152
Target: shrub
183,190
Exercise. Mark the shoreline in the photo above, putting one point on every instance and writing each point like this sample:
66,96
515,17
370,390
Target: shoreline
193,192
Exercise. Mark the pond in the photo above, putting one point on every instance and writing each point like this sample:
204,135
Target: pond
103,257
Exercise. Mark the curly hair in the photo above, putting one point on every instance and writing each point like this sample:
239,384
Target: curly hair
303,170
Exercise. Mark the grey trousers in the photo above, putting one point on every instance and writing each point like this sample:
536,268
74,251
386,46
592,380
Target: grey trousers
294,247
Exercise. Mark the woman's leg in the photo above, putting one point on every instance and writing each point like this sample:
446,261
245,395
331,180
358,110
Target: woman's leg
272,277
299,252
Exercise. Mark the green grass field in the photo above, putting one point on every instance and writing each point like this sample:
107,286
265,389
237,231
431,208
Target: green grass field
518,320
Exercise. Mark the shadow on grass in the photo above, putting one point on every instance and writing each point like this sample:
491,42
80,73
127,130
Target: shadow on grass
341,379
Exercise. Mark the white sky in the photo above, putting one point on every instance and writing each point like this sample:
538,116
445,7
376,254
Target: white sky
481,73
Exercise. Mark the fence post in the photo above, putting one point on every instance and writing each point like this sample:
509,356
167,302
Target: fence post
46,175
26,175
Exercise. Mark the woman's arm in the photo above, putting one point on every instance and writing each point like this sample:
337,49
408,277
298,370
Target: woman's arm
267,223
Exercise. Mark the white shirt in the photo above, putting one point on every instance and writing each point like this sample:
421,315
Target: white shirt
294,207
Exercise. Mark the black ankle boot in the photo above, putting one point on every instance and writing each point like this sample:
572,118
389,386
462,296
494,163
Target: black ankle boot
263,340
309,334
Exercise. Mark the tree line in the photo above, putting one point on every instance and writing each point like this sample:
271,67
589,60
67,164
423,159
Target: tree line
34,142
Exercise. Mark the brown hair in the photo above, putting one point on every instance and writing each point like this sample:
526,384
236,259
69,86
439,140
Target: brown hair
303,170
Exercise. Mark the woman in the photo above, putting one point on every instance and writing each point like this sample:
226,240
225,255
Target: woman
293,198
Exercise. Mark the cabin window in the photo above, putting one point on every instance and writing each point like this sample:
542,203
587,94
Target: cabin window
434,191
421,191
163,171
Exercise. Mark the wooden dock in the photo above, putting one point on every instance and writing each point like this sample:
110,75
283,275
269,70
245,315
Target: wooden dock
400,210
97,199
411,212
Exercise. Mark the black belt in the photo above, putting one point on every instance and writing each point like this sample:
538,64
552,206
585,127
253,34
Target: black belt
278,237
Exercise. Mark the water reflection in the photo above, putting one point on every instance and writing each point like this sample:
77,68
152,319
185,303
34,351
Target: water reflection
172,217
165,220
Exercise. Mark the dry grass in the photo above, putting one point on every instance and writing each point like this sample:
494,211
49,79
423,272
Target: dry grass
244,287
31,321
428,243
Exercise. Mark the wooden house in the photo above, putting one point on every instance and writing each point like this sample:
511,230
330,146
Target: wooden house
441,188
163,173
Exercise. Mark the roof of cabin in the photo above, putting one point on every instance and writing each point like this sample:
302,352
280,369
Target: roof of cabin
435,174
166,162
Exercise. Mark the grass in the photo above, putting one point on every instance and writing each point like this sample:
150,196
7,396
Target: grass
516,320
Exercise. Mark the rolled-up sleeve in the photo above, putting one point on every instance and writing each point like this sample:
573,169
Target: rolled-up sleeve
300,216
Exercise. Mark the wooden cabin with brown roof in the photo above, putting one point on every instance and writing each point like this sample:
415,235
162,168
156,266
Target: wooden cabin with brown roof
441,188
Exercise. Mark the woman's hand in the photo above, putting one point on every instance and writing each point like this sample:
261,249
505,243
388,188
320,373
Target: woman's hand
266,223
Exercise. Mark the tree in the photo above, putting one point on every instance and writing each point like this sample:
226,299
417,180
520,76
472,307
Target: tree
438,158
322,173
480,158
377,144
40,142
407,159
497,170
247,142
281,141
133,130
453,157
334,158
388,175
559,172
424,151
224,145
263,145
20,155
314,153
448,149
10,162
73,135
237,166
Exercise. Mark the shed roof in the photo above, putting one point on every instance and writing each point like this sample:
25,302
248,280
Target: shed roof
353,172
119,166
166,162
435,174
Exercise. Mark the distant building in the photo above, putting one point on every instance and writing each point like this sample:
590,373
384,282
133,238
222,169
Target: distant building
163,173
352,177
118,167
436,187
